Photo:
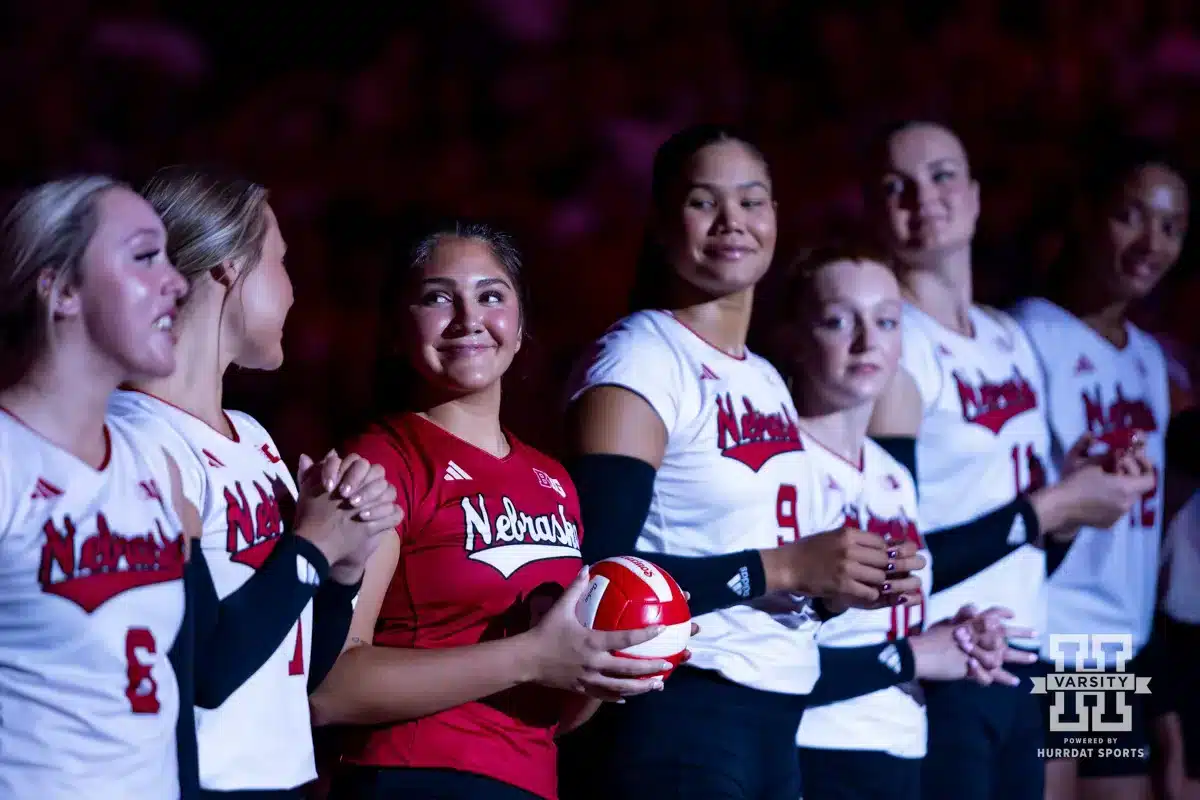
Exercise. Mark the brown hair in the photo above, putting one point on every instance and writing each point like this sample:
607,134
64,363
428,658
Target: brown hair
791,291
802,270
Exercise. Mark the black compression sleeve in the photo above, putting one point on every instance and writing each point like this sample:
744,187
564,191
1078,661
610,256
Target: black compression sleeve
182,657
245,629
965,550
901,448
849,672
614,499
332,611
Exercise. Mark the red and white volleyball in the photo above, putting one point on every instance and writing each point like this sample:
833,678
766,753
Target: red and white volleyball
627,593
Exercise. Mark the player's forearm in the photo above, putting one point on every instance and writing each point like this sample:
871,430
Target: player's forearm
333,609
237,635
614,499
849,672
962,551
372,685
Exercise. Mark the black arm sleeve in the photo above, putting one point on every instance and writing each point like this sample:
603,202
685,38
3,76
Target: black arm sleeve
332,610
181,656
901,448
242,631
849,672
614,499
965,550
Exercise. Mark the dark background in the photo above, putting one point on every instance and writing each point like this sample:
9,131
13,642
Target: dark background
543,115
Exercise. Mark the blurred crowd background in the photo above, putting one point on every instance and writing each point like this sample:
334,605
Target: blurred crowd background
543,116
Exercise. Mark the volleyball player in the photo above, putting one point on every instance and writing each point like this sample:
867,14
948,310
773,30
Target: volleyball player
91,546
272,609
468,658
971,386
1105,378
836,334
687,450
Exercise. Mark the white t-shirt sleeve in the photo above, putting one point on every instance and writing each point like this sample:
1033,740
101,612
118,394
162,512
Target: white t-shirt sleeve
7,501
157,436
246,423
919,360
1032,323
634,357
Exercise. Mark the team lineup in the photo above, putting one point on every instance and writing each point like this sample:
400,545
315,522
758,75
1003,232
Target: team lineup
823,528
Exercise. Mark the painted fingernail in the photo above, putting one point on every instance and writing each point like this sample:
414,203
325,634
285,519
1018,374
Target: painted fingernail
887,587
893,553
898,600
891,567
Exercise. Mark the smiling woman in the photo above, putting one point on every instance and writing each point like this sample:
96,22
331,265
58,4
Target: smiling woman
90,699
465,628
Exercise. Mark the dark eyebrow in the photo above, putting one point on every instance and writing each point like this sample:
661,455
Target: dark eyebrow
712,187
450,283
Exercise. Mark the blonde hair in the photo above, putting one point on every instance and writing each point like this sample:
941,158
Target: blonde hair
47,230
210,219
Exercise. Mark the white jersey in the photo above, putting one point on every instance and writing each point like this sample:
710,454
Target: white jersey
878,496
260,738
733,478
983,441
91,600
1181,556
1108,581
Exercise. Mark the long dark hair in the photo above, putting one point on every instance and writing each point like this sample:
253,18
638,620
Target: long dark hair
396,380
653,272
1108,166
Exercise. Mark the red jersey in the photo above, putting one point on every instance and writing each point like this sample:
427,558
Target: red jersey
487,545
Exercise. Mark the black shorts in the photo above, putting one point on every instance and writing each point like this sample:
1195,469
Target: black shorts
1101,754
984,740
702,738
858,775
1182,642
385,783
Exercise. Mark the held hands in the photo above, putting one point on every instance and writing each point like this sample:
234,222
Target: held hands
344,507
566,655
1097,489
970,645
847,567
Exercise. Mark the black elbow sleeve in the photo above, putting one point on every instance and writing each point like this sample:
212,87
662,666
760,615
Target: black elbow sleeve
614,498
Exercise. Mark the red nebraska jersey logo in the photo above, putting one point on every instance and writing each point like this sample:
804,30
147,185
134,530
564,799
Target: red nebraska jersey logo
1120,415
255,520
993,405
753,437
109,562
